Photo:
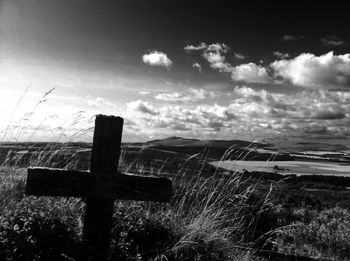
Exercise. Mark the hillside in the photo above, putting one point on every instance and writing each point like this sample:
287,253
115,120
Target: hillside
169,153
178,141
211,150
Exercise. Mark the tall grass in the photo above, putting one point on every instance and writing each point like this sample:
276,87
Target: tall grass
206,220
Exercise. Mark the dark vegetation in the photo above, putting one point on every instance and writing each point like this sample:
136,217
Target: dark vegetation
305,181
214,214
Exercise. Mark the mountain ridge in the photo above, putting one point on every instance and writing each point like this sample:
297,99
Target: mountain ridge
179,141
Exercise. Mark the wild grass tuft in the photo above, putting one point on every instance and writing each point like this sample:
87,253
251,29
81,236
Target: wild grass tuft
206,220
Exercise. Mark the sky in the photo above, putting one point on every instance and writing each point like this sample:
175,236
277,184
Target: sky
249,70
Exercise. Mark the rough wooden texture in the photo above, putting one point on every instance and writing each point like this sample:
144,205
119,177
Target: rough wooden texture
64,183
104,162
106,144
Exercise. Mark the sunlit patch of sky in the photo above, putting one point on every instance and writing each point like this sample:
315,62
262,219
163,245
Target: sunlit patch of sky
262,71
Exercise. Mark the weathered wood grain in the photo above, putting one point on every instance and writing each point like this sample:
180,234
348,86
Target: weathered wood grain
64,183
104,162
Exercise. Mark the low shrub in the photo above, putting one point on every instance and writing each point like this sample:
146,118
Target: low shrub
327,235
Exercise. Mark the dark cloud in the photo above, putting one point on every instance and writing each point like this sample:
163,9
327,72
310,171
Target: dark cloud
316,129
332,40
329,115
239,56
215,125
289,37
180,127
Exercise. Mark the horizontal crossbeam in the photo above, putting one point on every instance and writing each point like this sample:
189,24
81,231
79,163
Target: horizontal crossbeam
64,183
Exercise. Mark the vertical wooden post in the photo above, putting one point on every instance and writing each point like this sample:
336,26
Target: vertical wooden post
104,162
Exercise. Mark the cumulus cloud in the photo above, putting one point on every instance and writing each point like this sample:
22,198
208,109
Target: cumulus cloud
250,73
98,102
201,93
192,95
281,55
197,66
300,106
156,58
311,71
190,48
171,97
308,70
332,40
200,118
142,106
250,113
214,54
144,92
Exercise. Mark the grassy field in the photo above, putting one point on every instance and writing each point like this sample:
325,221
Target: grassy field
208,219
222,217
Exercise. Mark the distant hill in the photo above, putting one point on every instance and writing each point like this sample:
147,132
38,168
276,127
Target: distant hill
209,150
179,141
173,141
168,154
305,146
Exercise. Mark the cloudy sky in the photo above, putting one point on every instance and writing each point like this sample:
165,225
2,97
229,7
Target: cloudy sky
256,71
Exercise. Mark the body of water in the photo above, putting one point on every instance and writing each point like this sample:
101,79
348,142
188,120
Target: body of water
287,167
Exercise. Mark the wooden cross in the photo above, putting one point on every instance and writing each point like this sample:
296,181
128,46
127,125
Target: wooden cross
101,186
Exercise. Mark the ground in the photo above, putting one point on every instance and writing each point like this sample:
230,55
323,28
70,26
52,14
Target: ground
215,214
